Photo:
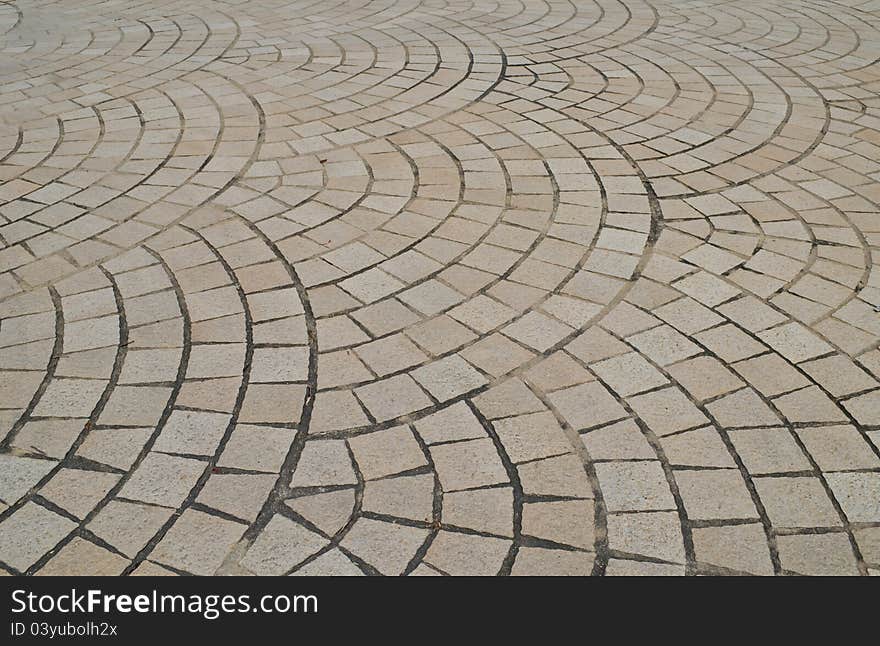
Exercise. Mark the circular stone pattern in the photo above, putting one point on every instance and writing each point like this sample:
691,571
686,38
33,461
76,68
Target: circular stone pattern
439,288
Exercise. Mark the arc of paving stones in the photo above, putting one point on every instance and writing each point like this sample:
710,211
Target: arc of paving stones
410,288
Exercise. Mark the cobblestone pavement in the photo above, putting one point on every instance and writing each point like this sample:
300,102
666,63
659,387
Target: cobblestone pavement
427,287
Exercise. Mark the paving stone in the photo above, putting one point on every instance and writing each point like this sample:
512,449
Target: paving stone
624,567
387,452
393,397
527,437
769,450
78,491
817,554
469,464
667,411
82,558
184,547
410,497
567,522
282,545
741,548
240,495
652,534
19,474
838,448
257,448
858,495
796,502
587,405
537,561
384,546
634,486
715,494
29,533
330,563
323,463
329,511
192,432
128,526
484,510
456,422
162,479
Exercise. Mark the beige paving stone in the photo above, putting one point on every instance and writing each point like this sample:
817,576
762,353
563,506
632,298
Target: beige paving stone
817,554
623,567
448,377
29,533
455,422
528,437
628,374
393,397
384,546
619,441
652,534
82,558
184,547
387,452
587,405
19,474
468,464
838,448
282,545
405,496
279,403
510,397
324,462
858,495
162,479
769,450
330,563
329,512
702,447
78,491
563,522
741,548
240,495
192,432
128,526
634,486
864,407
715,494
538,561
466,554
796,502
484,510
667,411
257,448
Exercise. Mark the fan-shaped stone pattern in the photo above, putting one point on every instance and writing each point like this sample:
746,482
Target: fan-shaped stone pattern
430,288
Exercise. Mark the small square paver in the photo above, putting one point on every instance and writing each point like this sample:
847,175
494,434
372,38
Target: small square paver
468,464
667,411
858,495
393,397
386,452
634,486
769,450
796,502
29,533
162,479
715,494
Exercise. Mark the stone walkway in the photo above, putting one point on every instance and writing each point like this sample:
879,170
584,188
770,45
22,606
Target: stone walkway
427,287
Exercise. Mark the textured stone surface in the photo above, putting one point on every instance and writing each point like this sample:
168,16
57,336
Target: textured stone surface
410,288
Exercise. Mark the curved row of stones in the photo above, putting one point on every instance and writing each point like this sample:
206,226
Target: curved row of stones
439,287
